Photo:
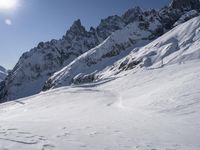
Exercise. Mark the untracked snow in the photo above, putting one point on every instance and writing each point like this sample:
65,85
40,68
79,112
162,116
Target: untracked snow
152,109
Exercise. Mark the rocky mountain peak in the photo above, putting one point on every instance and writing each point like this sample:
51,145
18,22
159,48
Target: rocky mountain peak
185,4
109,25
77,24
76,29
133,14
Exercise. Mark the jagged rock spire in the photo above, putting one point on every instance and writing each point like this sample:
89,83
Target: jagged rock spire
77,28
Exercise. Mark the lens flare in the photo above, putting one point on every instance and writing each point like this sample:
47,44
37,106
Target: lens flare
8,4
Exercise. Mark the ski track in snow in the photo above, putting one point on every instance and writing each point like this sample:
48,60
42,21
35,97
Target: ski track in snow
22,139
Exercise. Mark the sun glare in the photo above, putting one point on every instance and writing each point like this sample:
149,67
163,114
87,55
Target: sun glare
8,4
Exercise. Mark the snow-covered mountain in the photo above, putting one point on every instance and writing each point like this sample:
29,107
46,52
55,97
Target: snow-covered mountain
3,73
119,44
136,27
36,66
179,45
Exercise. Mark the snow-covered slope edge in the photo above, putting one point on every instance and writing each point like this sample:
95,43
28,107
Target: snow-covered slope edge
148,110
178,45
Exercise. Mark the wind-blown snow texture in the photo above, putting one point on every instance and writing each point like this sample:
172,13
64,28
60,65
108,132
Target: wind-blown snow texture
35,67
155,109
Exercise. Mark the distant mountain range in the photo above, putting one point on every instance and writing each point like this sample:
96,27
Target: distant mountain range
137,39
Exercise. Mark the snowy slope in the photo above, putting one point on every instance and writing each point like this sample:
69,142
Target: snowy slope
134,112
3,73
140,97
177,46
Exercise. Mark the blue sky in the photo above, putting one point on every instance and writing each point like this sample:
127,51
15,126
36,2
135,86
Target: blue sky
42,20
